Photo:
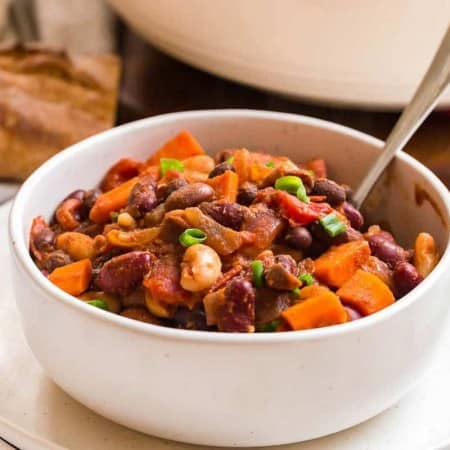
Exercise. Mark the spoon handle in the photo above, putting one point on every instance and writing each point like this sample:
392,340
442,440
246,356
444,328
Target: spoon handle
425,98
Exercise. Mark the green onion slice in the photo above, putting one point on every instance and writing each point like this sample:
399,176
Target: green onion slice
170,164
230,160
296,291
191,236
333,225
270,326
288,183
301,193
307,279
114,216
270,164
258,273
98,304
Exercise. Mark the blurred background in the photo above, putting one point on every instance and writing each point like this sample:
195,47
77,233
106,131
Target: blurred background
356,64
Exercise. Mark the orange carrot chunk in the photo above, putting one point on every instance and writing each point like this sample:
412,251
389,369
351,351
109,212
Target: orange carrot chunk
319,311
225,185
339,263
73,278
111,201
366,293
181,146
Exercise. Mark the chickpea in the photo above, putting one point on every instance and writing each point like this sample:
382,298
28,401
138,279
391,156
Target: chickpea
426,254
200,268
126,220
77,245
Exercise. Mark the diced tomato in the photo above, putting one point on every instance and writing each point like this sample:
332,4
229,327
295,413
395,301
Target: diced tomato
122,171
298,211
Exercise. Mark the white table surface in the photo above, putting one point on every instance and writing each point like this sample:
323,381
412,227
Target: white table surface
36,415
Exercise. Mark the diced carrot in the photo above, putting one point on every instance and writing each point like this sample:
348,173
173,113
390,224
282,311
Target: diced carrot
121,171
73,278
181,146
312,291
225,185
366,293
318,166
319,311
111,201
339,263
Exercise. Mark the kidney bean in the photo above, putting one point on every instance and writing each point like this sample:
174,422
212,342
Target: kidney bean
237,314
334,193
143,197
122,274
352,314
165,190
220,169
227,214
389,252
353,215
299,238
287,262
190,195
406,277
247,193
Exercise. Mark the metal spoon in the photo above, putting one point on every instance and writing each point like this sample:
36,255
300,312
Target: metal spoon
427,94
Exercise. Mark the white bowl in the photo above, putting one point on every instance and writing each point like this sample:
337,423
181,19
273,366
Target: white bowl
230,389
353,53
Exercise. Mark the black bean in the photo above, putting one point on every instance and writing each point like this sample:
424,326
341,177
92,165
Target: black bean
299,238
224,155
142,198
190,195
238,312
334,193
406,277
190,319
353,215
165,190
90,197
247,193
386,250
220,169
227,214
122,274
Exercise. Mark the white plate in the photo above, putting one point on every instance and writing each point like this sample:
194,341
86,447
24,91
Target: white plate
36,415
354,53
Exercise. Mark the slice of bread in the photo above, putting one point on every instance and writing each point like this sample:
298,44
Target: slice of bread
50,100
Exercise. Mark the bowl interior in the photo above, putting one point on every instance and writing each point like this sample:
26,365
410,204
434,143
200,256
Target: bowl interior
408,198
